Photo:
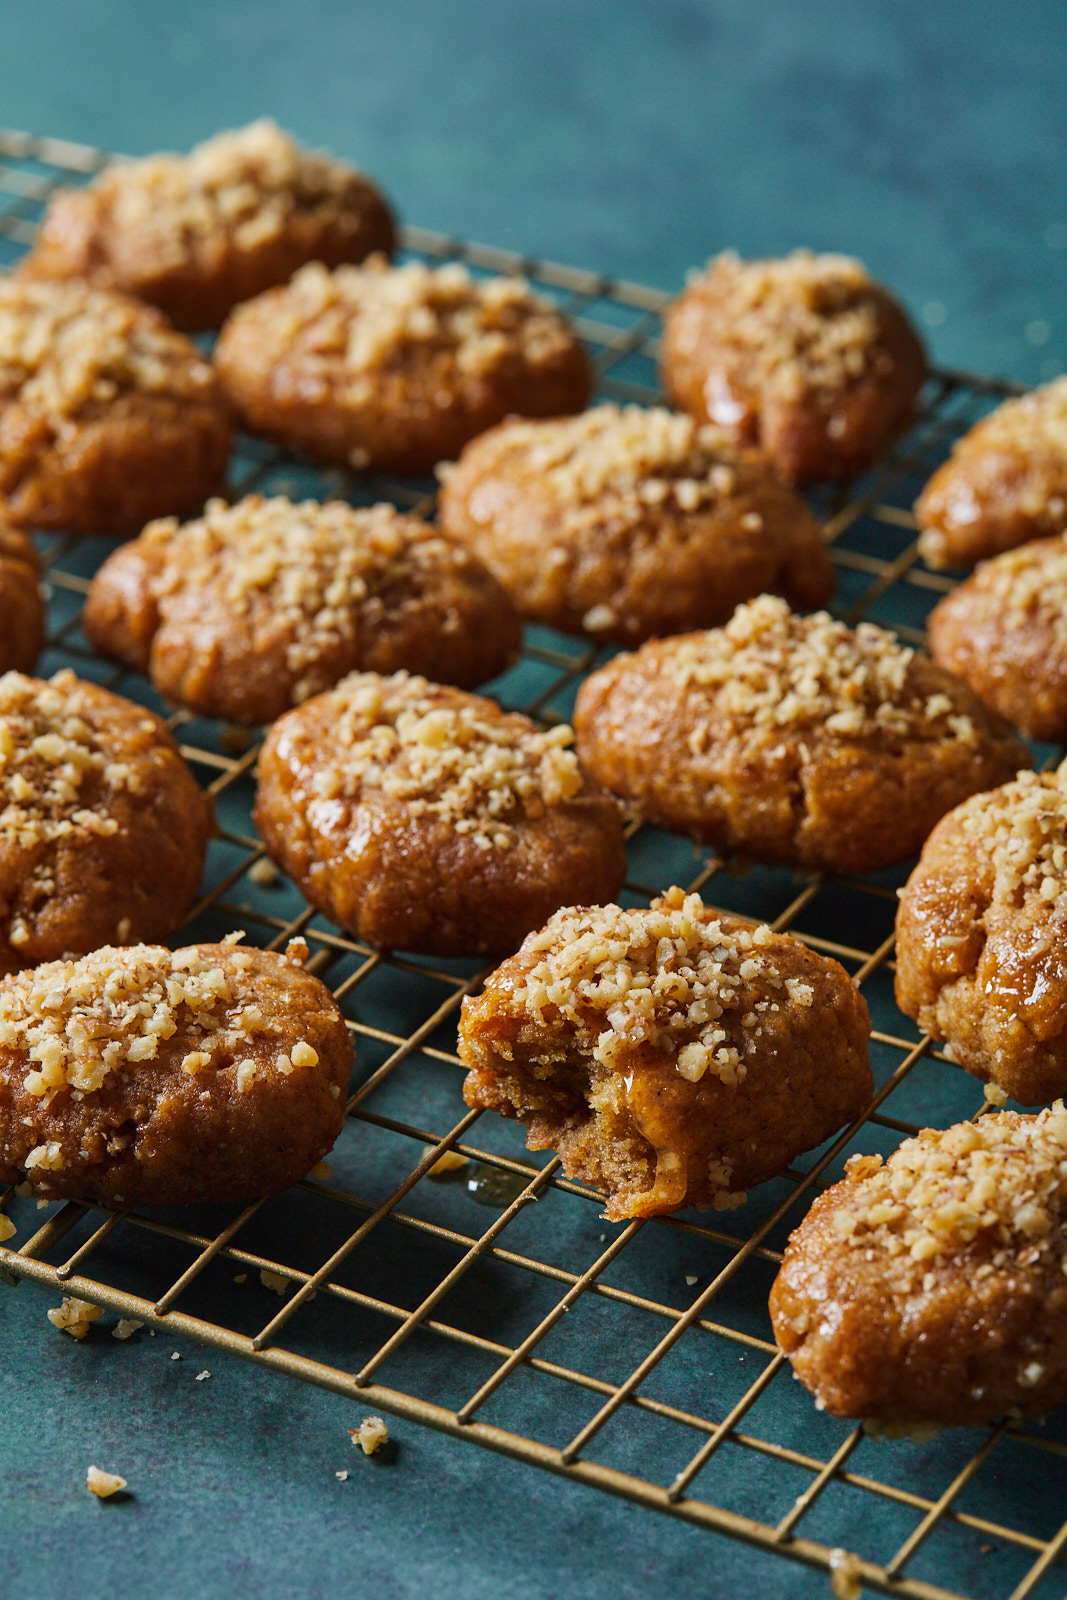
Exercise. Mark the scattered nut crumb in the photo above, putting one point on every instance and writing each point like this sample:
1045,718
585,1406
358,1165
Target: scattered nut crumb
7,1227
448,1162
202,1375
240,1277
274,1280
371,1434
342,1477
690,1278
74,1316
126,1327
175,1355
264,873
103,1484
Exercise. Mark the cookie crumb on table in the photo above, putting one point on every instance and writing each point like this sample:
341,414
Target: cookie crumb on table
103,1484
74,1316
371,1434
125,1328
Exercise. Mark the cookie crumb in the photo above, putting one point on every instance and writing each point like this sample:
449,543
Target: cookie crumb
371,1434
103,1484
7,1227
264,873
274,1280
201,1376
342,1477
74,1316
126,1327
690,1278
175,1355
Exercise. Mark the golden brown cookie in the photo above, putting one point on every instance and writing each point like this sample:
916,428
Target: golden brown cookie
147,1076
791,739
22,612
257,606
624,523
806,357
108,417
932,1288
673,1056
103,828
982,936
1004,483
196,234
1004,631
395,368
423,818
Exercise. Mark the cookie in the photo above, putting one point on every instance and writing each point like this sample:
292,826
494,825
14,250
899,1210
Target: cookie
255,607
673,1056
196,234
791,739
806,357
108,417
146,1076
624,523
423,818
1004,483
396,368
103,828
932,1288
22,612
1004,631
982,937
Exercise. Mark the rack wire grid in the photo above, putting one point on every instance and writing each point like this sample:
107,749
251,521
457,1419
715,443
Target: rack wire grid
493,1302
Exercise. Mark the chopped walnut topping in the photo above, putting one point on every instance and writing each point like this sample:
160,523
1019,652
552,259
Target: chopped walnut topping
1023,586
446,753
1002,1179
773,668
103,1484
638,457
1022,826
805,322
369,316
48,756
317,567
64,347
78,1021
371,1434
247,182
1031,423
74,1316
670,977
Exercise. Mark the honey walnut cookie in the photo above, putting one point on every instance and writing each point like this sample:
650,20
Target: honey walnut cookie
108,417
423,818
395,368
673,1056
22,612
146,1076
103,828
982,936
1004,483
791,739
255,607
1004,631
196,234
805,356
932,1288
624,523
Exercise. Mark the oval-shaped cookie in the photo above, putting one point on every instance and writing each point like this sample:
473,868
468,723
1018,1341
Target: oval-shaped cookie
420,817
103,828
22,611
396,368
257,606
673,1056
1004,631
791,739
805,356
146,1076
932,1288
1004,483
196,234
108,417
624,523
982,936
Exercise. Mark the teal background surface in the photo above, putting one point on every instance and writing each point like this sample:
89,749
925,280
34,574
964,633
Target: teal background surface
634,139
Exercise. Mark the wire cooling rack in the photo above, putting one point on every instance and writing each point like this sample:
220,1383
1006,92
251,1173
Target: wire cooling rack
491,1301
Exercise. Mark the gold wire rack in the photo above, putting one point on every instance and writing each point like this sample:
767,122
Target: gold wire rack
495,1304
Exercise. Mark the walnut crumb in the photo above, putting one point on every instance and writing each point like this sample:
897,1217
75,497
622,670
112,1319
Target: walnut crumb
371,1434
74,1316
103,1484
274,1280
